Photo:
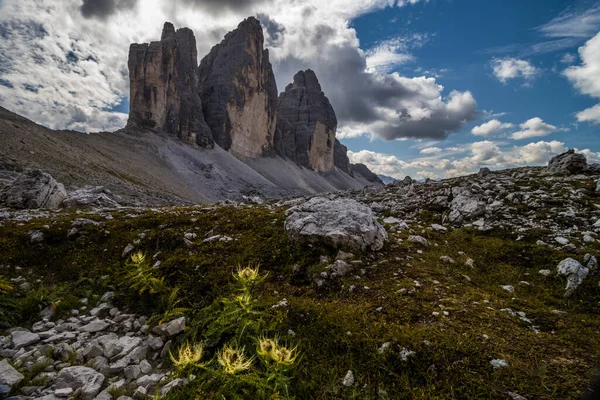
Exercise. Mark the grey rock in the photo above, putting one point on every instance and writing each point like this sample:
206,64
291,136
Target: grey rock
348,379
365,172
499,363
574,272
568,163
149,381
145,367
164,87
132,372
239,93
306,124
174,384
171,328
90,196
95,326
23,339
340,157
33,189
484,171
340,223
128,249
418,239
8,375
86,380
464,207
36,236
340,268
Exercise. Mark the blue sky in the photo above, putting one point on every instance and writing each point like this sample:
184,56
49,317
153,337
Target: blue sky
464,37
427,88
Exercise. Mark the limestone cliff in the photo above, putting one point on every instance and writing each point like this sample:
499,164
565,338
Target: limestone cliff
238,92
306,124
340,157
164,87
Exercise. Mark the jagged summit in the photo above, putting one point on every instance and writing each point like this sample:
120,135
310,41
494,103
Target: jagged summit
306,124
239,93
164,87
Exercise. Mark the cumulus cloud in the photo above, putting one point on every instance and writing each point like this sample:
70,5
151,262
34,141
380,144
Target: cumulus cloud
466,159
534,127
490,128
55,61
510,68
586,77
591,115
387,54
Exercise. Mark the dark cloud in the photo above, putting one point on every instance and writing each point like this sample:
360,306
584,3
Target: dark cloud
102,9
216,6
359,97
275,31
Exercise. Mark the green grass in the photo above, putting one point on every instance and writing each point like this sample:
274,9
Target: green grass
336,329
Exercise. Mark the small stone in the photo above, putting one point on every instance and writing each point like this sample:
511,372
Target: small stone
64,392
132,372
545,272
8,375
106,297
418,239
499,363
95,326
145,367
348,379
128,249
561,240
508,288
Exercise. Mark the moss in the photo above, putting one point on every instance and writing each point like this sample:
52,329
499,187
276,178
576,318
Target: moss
339,329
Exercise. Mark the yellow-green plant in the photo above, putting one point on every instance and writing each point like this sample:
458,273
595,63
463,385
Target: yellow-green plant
248,276
5,285
233,360
140,276
272,352
168,306
188,356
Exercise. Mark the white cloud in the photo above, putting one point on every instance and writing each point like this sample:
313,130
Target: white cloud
568,58
510,68
490,128
591,115
577,21
431,150
586,77
534,127
79,65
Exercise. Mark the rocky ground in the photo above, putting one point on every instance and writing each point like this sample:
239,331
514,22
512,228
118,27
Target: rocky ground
484,286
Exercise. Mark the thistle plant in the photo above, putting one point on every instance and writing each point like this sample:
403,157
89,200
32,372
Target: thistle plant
140,276
233,360
272,353
188,356
248,277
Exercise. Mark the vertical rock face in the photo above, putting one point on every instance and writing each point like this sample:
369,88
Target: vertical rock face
306,124
164,87
340,157
238,92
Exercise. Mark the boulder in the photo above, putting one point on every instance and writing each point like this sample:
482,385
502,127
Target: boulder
464,207
239,93
484,171
91,196
33,189
340,223
171,328
567,163
8,375
306,124
87,380
23,339
574,272
164,87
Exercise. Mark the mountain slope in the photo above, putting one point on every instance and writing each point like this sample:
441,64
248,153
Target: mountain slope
152,168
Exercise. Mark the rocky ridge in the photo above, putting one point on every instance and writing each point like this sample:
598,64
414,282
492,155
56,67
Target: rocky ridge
164,87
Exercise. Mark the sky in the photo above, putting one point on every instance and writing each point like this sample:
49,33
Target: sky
426,88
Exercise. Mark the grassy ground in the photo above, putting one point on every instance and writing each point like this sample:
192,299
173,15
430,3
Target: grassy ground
390,297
